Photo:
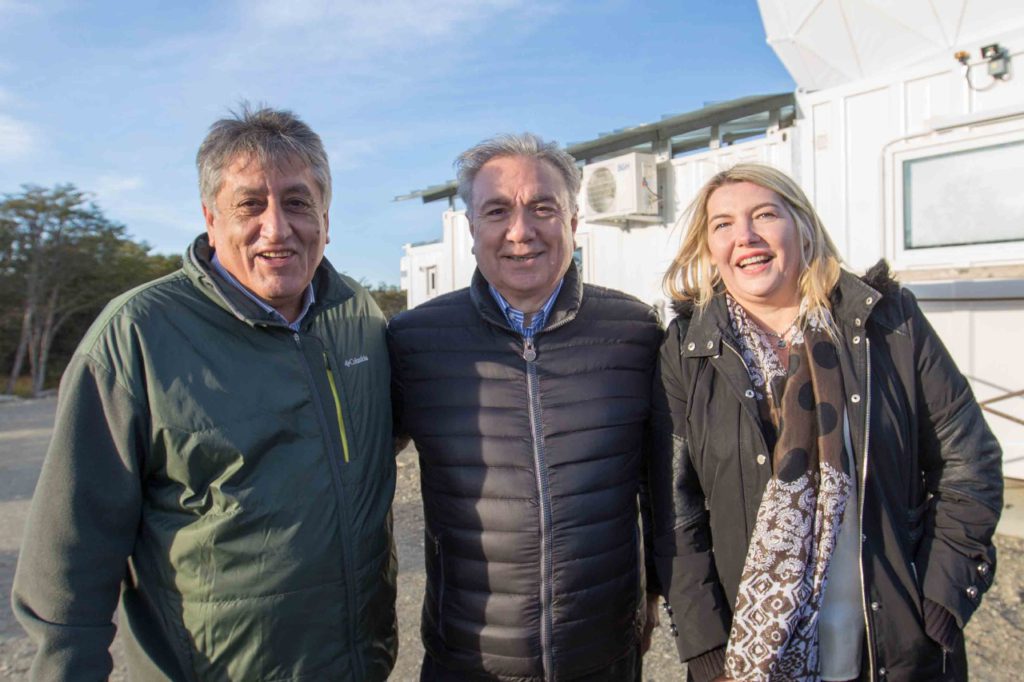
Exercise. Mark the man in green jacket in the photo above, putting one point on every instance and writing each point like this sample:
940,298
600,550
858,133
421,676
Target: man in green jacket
221,460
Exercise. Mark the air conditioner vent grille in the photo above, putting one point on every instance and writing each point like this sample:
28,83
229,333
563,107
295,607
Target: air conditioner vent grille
621,189
601,190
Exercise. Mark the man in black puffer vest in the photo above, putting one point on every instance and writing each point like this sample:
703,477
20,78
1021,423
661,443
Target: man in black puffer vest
527,396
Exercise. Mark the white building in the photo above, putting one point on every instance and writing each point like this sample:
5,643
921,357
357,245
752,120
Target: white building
909,152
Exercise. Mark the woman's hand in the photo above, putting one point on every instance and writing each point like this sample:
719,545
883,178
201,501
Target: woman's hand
653,621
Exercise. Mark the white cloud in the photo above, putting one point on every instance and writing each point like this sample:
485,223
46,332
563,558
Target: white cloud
386,22
362,31
11,10
352,153
175,218
108,186
128,200
17,138
8,7
165,226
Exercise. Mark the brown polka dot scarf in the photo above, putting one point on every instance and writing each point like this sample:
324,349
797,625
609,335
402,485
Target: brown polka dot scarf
774,633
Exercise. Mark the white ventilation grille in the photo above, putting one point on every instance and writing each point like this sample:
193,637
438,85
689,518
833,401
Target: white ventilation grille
621,189
601,191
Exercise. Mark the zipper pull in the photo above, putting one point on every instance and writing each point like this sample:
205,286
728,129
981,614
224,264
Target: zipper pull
529,352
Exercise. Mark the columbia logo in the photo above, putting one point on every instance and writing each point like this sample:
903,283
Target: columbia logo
356,361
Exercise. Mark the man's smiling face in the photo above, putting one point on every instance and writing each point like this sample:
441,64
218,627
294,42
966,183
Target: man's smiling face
522,228
269,229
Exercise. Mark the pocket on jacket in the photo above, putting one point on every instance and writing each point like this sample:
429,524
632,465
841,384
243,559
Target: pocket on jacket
915,530
915,524
436,581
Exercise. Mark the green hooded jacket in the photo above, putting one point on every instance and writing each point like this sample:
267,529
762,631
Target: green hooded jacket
229,479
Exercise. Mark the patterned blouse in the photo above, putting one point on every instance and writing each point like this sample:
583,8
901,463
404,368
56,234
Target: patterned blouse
758,350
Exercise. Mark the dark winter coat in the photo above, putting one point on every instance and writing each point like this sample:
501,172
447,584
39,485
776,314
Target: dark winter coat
928,472
530,461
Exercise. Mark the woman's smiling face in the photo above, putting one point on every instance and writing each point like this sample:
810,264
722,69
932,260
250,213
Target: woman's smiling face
754,243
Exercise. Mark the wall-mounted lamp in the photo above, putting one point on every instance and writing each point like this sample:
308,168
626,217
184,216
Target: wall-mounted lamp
997,62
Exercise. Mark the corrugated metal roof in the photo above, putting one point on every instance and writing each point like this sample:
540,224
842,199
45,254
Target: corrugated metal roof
724,121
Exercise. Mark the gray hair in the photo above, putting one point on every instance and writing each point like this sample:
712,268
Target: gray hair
469,162
273,137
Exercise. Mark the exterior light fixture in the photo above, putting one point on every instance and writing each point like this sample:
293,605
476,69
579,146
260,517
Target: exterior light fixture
997,64
998,60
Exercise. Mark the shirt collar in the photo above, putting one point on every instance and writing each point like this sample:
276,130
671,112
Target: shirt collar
307,300
516,318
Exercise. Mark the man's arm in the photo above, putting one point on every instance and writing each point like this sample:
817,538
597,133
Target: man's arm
400,437
81,527
652,583
682,543
961,460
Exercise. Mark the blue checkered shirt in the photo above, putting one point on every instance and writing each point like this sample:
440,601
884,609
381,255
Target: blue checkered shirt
516,318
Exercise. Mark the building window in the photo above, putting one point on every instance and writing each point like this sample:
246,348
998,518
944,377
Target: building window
431,274
970,196
956,198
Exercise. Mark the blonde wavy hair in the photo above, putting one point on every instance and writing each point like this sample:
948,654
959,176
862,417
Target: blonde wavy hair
692,277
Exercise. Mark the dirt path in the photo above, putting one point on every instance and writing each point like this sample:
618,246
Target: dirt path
995,635
24,433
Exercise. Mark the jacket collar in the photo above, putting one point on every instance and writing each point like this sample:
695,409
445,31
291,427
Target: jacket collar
853,302
707,327
566,305
328,287
859,297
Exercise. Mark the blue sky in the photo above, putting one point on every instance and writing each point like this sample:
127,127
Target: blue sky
115,97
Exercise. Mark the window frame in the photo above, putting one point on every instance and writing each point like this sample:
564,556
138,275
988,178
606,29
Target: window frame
431,277
966,139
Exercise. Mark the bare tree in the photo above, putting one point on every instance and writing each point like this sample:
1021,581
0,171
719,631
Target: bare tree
60,256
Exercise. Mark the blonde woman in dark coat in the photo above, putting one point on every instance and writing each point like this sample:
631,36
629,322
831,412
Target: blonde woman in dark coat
825,486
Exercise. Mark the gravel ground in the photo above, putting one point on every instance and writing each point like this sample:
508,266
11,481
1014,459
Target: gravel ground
995,634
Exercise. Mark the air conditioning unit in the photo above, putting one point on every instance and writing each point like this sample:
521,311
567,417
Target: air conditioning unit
621,189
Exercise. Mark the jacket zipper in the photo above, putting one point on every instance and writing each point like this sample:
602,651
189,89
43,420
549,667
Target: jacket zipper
343,511
543,494
529,354
863,495
337,406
